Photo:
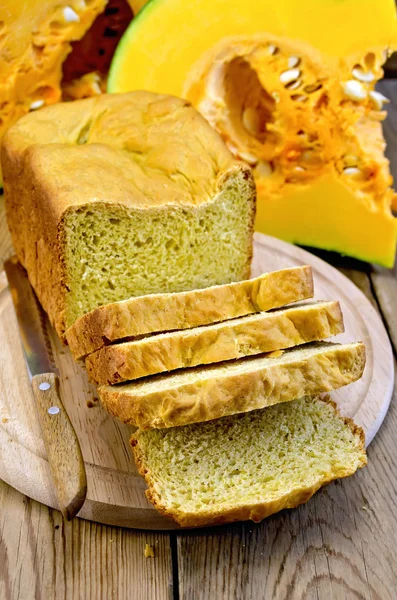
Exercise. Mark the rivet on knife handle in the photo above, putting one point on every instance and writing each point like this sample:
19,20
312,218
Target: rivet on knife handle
63,449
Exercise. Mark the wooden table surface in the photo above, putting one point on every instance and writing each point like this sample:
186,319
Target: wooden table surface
340,545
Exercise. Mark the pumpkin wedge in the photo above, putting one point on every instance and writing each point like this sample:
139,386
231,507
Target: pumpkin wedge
290,86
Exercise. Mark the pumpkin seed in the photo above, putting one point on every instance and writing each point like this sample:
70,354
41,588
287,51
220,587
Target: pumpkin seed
36,104
294,85
289,76
351,171
272,49
293,61
248,157
251,120
312,87
70,15
275,96
354,90
365,76
378,99
299,98
96,88
233,149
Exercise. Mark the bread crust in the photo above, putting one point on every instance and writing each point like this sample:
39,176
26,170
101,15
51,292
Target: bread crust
246,512
233,339
50,172
220,394
166,312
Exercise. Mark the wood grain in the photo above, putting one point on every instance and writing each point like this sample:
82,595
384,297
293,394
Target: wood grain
43,557
339,545
385,286
115,492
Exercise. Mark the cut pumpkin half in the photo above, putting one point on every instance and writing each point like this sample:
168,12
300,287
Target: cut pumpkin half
290,86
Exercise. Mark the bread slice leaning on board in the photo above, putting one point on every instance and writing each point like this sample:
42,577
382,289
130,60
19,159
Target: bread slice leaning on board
233,339
155,313
124,195
247,466
210,392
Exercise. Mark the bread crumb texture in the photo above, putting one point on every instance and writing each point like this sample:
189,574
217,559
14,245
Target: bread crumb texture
269,332
213,391
175,211
184,310
248,466
149,551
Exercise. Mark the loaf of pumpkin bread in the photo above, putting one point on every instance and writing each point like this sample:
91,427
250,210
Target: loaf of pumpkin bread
236,338
213,391
154,313
124,195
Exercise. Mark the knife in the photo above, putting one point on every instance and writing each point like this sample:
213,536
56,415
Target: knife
60,439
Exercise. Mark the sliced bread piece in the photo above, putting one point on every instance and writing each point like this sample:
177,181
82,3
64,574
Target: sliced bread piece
205,393
246,336
124,195
165,312
247,466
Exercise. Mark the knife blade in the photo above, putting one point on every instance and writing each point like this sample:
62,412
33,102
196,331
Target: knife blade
60,439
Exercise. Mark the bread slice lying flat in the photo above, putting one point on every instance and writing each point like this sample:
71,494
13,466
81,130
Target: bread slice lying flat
205,393
237,338
165,312
247,466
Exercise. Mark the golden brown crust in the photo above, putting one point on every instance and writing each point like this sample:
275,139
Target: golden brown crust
222,393
229,340
253,512
104,134
165,312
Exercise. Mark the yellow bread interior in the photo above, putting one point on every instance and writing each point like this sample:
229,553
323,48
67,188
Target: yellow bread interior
154,313
232,339
124,195
170,250
213,391
247,466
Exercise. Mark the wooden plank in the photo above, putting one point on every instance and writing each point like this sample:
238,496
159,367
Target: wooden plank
42,557
115,490
339,545
385,285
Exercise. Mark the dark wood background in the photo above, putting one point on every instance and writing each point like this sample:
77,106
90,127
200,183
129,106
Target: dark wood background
340,545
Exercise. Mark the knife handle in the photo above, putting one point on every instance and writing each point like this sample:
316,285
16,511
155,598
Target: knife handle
63,448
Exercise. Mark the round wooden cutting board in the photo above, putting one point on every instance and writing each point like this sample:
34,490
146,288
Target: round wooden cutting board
115,490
